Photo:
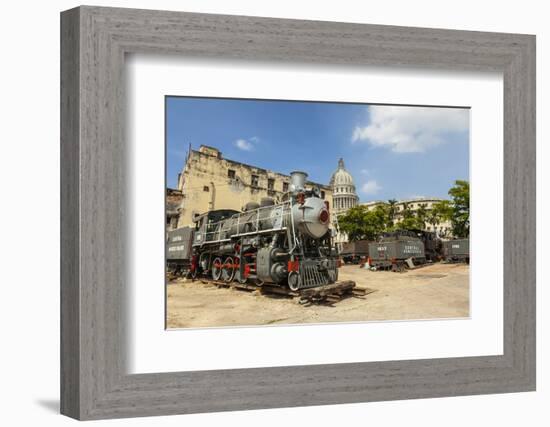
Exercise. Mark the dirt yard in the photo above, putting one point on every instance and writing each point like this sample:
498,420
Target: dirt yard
435,291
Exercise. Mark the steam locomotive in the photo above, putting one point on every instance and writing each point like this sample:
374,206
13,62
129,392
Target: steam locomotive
287,244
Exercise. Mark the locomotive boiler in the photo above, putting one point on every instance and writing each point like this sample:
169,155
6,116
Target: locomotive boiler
284,244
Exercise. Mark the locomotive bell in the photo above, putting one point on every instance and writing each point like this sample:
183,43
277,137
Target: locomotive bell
297,181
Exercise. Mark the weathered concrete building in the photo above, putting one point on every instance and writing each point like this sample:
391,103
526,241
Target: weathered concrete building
173,203
209,181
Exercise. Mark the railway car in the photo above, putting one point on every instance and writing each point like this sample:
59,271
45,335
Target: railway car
457,250
393,249
354,252
179,251
433,245
286,244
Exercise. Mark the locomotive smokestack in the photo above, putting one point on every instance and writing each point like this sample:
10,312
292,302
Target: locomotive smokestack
297,181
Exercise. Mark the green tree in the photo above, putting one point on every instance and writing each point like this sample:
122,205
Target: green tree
352,222
422,216
391,212
460,219
441,212
360,223
411,220
407,212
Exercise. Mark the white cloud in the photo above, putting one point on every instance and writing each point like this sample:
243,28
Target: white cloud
410,129
247,144
244,145
370,187
364,171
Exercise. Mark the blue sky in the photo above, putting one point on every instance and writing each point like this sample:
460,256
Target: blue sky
391,151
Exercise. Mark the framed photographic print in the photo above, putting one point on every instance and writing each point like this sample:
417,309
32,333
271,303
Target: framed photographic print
237,225
261,213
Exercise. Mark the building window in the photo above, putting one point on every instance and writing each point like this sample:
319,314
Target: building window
270,184
231,174
322,194
206,188
254,181
285,187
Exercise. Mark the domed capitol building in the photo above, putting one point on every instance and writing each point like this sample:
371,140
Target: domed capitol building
344,195
343,189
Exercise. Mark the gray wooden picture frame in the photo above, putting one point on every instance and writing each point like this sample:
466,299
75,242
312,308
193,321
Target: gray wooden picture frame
94,41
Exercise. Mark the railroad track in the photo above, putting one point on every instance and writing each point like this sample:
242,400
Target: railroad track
326,295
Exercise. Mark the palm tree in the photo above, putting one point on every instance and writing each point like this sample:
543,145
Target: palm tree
391,211
421,215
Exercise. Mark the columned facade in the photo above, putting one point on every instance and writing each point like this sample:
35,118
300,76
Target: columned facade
344,196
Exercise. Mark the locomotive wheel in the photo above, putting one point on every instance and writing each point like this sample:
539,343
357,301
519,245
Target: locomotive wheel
294,281
240,279
216,268
228,270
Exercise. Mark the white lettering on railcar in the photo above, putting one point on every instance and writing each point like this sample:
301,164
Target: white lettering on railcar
407,249
455,246
176,248
177,239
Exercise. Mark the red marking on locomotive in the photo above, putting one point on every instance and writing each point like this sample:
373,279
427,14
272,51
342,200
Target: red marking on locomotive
324,216
293,266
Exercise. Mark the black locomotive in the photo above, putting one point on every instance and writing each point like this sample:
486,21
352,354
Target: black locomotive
286,244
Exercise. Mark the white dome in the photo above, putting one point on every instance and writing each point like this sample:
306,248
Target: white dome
343,189
341,177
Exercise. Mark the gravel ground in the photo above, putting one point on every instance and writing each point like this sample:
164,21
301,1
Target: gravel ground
435,291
